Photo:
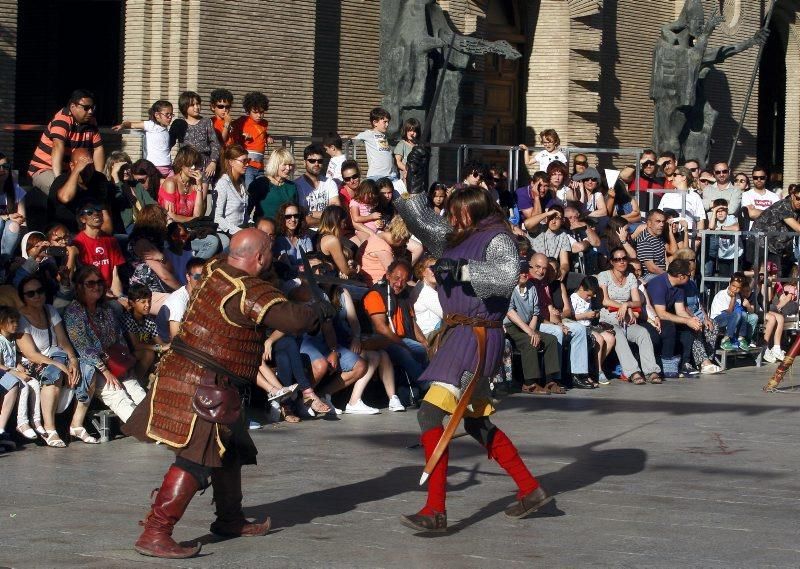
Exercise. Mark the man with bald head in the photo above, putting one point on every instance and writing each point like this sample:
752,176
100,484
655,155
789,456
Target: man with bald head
72,190
193,406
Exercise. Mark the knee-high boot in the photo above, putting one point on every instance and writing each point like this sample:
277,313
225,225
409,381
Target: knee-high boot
169,505
227,485
530,496
432,517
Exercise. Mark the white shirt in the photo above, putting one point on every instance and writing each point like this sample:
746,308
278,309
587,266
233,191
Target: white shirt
177,303
720,303
428,310
45,343
580,306
334,171
694,205
156,144
758,200
544,158
379,153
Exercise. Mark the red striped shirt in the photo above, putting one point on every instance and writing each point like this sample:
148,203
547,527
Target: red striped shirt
63,127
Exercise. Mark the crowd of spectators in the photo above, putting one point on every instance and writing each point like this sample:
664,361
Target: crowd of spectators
607,282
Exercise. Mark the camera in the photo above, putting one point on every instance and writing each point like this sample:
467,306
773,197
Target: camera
56,251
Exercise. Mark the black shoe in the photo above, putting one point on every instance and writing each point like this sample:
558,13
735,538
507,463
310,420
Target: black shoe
528,504
688,370
581,381
423,523
7,443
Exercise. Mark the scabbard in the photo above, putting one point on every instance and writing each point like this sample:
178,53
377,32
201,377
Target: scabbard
461,407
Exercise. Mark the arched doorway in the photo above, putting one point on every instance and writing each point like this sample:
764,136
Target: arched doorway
772,97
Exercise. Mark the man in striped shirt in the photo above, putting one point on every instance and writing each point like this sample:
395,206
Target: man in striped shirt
72,127
650,245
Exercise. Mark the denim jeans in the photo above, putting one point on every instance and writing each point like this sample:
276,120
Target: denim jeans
251,174
11,235
205,247
578,343
411,357
289,362
735,324
670,332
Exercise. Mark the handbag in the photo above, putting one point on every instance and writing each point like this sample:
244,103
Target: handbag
119,360
217,403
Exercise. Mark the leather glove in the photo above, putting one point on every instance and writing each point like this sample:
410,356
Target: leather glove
448,269
327,311
417,170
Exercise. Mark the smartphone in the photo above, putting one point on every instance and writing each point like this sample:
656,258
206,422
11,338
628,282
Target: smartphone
56,251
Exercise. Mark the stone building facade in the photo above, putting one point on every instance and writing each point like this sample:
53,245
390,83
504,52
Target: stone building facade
585,69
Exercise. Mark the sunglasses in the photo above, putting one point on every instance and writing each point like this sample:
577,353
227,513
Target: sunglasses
244,161
167,115
581,163
292,216
6,167
94,284
619,259
706,181
221,106
91,211
595,180
695,169
87,108
759,177
196,276
351,178
476,174
647,163
33,293
720,171
314,160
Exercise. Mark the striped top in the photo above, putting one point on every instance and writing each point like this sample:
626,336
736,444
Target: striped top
650,248
63,127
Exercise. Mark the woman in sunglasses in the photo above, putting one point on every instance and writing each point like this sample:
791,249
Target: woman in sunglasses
622,308
291,235
49,358
230,209
94,329
12,209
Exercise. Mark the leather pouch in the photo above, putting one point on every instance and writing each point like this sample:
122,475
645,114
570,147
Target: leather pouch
217,403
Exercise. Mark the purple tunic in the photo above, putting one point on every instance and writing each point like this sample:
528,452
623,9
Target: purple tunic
459,351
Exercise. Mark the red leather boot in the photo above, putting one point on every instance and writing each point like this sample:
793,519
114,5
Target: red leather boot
433,517
230,522
170,503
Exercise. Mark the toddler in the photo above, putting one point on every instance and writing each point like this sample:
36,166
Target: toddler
604,340
12,371
156,135
251,131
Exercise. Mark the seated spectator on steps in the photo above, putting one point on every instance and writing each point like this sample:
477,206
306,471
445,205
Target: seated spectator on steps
99,249
554,243
651,247
141,330
602,340
171,314
94,330
330,242
553,324
151,267
666,292
178,250
392,317
276,187
522,326
12,209
230,207
379,250
729,313
72,190
127,196
427,307
291,235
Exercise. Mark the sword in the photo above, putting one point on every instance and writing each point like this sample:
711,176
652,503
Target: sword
461,407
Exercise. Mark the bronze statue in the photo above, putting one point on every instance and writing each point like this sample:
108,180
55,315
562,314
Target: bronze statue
684,118
419,76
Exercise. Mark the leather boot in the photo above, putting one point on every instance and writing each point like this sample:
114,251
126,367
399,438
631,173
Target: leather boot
227,485
433,517
170,503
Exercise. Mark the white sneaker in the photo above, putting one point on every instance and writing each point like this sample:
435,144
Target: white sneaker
253,425
360,408
710,369
778,353
395,404
769,356
329,401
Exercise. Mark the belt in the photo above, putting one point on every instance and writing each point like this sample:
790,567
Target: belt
204,361
455,319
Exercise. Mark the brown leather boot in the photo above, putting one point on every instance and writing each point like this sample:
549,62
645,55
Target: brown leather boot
230,522
170,503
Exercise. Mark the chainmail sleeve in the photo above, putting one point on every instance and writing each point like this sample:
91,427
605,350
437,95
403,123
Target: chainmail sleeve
423,223
499,273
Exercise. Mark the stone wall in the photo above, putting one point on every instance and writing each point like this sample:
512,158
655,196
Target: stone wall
8,70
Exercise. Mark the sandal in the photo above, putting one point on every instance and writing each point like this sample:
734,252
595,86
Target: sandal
25,430
535,389
282,393
655,378
83,435
316,404
287,414
37,426
52,439
637,378
554,387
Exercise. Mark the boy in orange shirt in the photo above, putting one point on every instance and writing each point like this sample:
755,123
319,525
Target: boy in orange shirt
252,132
221,103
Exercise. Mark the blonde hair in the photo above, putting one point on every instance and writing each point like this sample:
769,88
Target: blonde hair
685,254
277,159
397,229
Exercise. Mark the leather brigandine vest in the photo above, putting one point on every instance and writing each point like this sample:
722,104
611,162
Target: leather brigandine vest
222,321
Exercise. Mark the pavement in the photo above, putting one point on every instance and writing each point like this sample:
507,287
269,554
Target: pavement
691,473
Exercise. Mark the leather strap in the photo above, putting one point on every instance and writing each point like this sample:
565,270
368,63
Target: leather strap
182,348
